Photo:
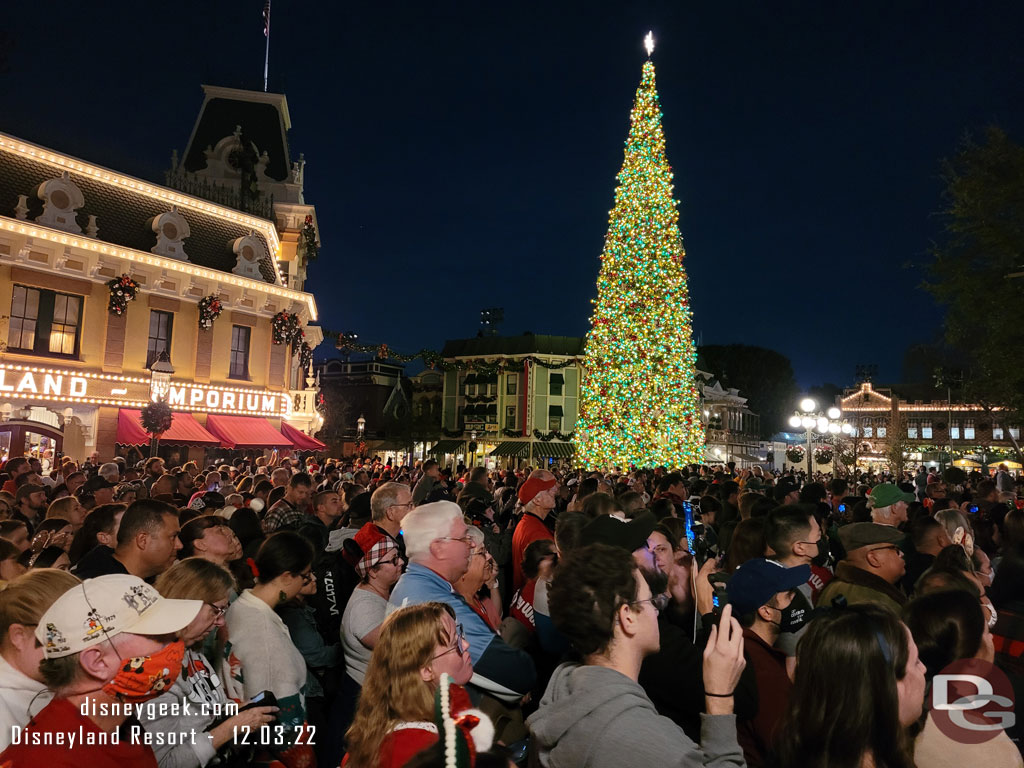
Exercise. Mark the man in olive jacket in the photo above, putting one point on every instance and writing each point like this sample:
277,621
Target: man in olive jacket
872,569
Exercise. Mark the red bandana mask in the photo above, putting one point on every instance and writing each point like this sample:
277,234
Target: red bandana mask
145,677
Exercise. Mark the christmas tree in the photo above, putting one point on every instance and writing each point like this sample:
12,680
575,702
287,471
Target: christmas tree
639,403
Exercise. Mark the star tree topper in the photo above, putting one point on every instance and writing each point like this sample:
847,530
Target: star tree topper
649,43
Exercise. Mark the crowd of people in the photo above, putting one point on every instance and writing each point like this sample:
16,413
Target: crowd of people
320,612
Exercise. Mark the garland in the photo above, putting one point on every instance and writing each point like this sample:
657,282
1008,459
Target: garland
287,328
512,432
305,356
552,435
156,418
795,453
122,290
823,454
209,310
481,398
846,457
309,241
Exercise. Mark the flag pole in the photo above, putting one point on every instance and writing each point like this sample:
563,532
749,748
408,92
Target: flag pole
266,33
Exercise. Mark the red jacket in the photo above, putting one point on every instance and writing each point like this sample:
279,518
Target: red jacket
530,529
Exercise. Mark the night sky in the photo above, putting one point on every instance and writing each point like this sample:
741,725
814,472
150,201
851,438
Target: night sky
463,155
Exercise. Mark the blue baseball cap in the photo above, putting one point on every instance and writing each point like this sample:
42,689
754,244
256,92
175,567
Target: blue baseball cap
754,583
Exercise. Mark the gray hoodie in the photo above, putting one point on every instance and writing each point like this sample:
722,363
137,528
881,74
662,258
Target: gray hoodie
595,717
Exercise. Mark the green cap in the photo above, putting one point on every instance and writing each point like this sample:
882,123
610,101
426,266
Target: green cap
857,535
887,494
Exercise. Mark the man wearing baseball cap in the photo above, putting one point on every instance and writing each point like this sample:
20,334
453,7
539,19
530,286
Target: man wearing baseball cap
107,643
537,495
872,569
888,504
761,592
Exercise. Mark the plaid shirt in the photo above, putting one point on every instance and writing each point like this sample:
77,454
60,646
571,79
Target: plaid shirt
283,516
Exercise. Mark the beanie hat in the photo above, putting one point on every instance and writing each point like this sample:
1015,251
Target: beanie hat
463,732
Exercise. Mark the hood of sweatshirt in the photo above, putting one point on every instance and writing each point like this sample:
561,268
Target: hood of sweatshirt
579,705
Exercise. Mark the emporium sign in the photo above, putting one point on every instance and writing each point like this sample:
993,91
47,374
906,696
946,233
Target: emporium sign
52,384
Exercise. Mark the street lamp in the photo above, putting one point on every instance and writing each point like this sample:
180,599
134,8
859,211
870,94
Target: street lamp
360,426
160,377
813,420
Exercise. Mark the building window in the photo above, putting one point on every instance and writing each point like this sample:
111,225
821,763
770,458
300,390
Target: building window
912,428
239,352
160,325
510,417
882,429
554,418
44,322
997,432
869,430
556,383
1015,433
968,429
954,430
512,384
926,430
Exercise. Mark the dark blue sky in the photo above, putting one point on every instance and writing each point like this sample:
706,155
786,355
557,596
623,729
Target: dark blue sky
463,155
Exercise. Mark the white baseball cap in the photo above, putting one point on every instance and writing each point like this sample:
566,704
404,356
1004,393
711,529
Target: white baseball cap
99,608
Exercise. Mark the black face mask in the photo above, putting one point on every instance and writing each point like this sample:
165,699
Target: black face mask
792,618
824,557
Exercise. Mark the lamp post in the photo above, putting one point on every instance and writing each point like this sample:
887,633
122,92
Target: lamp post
360,431
814,420
160,373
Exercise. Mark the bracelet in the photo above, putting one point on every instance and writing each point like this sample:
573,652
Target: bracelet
719,695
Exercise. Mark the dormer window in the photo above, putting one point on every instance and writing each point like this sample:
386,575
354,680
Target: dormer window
61,199
247,250
171,229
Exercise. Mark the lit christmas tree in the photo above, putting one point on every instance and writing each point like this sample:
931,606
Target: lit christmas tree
639,403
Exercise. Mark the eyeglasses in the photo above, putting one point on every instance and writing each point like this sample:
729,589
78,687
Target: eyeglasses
464,539
394,560
392,506
218,611
888,546
815,543
658,602
460,640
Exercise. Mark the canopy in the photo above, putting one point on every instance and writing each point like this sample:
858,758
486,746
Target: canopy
512,448
300,439
246,432
552,450
447,446
1009,464
965,463
185,430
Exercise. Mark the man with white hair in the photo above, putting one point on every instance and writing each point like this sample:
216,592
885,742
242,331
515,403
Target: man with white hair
111,472
439,548
389,506
104,643
888,504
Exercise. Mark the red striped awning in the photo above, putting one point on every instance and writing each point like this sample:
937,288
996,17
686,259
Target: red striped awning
301,440
246,432
185,430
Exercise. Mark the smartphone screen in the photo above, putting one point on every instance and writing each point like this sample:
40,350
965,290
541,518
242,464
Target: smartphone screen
691,539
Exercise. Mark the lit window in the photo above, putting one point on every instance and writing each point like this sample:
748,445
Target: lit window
954,430
997,432
912,428
926,430
44,322
968,429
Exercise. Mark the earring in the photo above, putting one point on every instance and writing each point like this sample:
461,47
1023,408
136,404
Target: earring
282,597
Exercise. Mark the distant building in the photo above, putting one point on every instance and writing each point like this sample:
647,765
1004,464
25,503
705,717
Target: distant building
928,428
732,430
514,401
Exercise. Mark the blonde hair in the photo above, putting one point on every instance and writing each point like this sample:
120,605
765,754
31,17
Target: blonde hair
28,597
60,508
195,578
393,690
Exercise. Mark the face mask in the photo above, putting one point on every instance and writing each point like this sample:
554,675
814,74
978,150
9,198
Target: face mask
145,677
824,558
792,618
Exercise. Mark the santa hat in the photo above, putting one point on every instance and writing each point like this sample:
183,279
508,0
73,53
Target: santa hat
464,732
533,486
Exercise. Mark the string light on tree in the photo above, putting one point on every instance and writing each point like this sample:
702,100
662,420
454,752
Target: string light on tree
639,402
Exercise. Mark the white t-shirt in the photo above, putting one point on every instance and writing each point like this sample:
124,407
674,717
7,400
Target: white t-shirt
364,613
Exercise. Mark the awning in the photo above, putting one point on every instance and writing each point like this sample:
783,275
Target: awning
554,410
553,450
447,446
185,430
300,439
512,448
1009,464
745,457
246,432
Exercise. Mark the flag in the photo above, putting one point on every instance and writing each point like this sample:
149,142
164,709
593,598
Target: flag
266,18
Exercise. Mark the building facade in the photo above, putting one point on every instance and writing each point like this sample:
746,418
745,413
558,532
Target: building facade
509,401
77,352
932,432
732,430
